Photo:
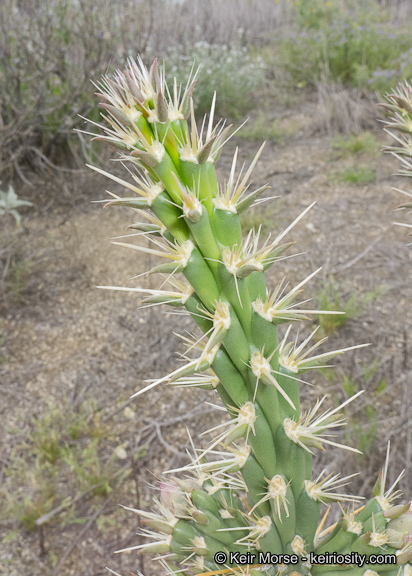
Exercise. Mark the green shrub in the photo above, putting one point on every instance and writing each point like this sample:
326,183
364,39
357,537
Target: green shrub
264,128
351,42
230,70
356,175
363,143
330,298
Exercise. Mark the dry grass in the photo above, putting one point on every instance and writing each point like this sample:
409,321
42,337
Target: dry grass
344,110
217,22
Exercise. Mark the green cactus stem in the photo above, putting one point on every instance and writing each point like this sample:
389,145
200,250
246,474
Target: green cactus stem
250,490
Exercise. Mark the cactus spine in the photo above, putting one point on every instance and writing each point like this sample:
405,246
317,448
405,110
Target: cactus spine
398,105
250,504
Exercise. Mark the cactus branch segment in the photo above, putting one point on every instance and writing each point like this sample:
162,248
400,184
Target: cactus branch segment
246,503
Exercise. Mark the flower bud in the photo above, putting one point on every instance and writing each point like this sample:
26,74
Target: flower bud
396,511
402,523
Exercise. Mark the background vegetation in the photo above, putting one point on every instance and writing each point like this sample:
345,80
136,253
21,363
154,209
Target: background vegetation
50,51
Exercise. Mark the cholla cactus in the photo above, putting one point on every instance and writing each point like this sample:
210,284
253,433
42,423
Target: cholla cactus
399,105
247,504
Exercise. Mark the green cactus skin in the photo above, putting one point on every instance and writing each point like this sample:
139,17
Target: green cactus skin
260,497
